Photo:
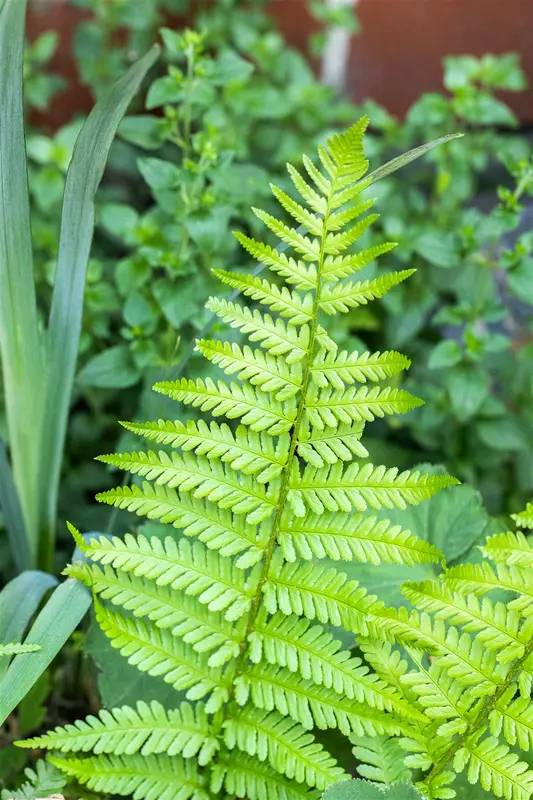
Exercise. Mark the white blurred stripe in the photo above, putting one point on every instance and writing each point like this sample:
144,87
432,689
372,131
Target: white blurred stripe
336,52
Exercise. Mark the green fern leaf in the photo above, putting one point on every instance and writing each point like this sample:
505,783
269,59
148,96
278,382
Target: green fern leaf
338,267
246,776
381,759
205,478
288,304
308,248
513,717
337,243
147,729
344,296
269,373
338,489
320,446
244,450
15,648
183,565
513,549
345,368
329,407
255,408
143,777
497,769
303,276
353,536
525,518
312,222
288,747
217,528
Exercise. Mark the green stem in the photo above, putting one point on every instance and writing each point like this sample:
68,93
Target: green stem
482,716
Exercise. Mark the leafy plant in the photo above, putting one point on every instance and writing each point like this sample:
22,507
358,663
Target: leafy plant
32,355
238,618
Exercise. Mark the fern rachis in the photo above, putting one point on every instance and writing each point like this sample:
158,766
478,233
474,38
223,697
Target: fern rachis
256,504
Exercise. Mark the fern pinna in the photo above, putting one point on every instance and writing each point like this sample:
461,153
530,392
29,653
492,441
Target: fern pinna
236,613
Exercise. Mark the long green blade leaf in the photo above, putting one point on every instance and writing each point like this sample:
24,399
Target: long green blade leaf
19,330
55,623
13,516
19,600
406,158
77,225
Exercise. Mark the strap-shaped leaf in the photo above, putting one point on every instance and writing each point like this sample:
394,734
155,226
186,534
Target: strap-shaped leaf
342,369
286,745
348,536
273,334
255,408
154,777
342,297
183,565
147,729
218,528
203,477
268,372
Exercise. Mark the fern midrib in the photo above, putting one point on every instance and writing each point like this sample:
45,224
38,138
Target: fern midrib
240,661
482,716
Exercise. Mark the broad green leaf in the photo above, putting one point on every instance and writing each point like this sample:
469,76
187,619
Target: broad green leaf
357,789
77,225
53,626
111,369
468,387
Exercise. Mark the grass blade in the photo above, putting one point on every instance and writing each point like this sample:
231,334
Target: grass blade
77,225
406,158
55,623
13,516
20,341
19,600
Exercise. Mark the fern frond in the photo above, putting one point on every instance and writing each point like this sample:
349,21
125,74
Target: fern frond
243,449
310,705
217,528
147,729
339,489
308,248
288,747
303,276
382,759
204,478
336,243
345,368
256,409
328,445
329,407
342,297
338,220
298,310
203,629
513,718
15,648
496,626
497,769
338,267
312,651
183,565
525,518
269,373
303,216
247,777
315,592
157,652
513,549
348,536
153,777
315,202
